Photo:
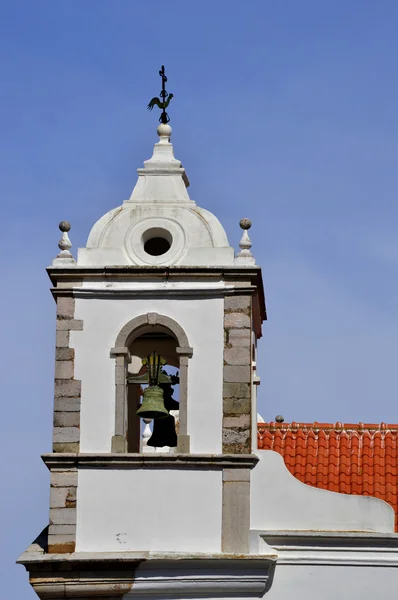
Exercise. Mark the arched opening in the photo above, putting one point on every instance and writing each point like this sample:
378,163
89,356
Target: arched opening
149,435
140,337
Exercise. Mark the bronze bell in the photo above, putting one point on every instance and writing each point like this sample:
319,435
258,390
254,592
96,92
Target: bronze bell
164,430
152,406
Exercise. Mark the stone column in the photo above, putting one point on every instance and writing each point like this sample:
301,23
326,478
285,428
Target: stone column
122,358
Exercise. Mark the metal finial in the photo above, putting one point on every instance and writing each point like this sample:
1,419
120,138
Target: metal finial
279,419
164,99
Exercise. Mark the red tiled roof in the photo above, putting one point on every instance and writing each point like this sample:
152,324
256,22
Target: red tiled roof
352,458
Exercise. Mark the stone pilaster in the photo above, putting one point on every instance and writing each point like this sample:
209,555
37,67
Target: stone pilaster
236,511
236,433
67,389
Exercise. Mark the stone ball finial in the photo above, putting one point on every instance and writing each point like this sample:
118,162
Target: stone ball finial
245,224
164,130
279,419
64,226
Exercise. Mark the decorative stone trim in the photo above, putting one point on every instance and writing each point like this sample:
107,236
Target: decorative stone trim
67,389
236,434
131,329
120,352
62,528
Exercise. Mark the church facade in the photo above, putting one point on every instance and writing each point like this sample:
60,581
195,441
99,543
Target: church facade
184,506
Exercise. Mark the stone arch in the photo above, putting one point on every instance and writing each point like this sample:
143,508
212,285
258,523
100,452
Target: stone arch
132,329
120,352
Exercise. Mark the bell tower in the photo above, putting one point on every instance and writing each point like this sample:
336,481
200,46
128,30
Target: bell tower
157,281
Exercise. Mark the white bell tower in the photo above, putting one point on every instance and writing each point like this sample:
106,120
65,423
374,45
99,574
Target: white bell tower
157,274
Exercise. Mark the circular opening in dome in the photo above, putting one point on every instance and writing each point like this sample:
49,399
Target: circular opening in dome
157,241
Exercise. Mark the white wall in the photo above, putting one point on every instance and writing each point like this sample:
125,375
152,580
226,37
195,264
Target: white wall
122,510
331,582
202,321
279,501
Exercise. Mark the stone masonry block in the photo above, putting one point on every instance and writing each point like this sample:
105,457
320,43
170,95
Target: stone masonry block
238,374
237,356
119,444
62,404
66,434
65,529
236,475
64,369
64,478
66,419
63,516
231,436
65,307
241,421
236,406
61,544
62,339
64,353
236,321
72,447
69,325
239,337
237,302
62,497
58,497
236,390
70,388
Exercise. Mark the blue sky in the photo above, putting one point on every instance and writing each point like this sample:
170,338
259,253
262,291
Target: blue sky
284,112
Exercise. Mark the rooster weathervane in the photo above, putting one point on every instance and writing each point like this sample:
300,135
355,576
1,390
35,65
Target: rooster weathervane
163,101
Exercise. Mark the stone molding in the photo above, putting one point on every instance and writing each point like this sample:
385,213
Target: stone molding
155,460
332,548
120,352
131,330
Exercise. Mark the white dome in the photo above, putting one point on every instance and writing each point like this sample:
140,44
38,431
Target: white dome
159,224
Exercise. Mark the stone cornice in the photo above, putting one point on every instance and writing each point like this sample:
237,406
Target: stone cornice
94,292
132,271
159,575
252,273
191,559
156,460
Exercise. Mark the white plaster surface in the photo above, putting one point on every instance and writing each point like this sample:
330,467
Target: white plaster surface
202,321
329,582
279,501
149,509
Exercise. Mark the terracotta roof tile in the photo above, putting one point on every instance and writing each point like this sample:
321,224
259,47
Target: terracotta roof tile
352,458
